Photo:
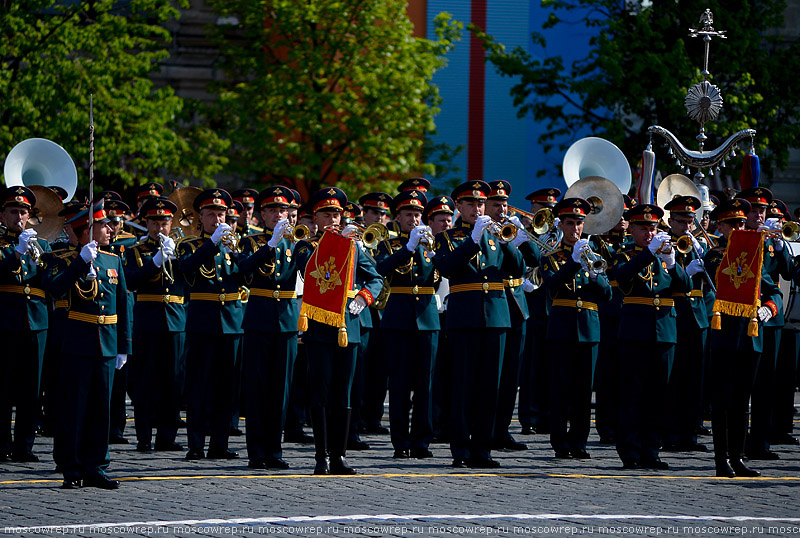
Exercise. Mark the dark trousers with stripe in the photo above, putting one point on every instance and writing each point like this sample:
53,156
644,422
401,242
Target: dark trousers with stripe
785,379
268,364
20,377
411,356
477,360
685,390
534,383
155,372
644,374
763,395
570,393
210,368
732,375
81,443
606,379
509,380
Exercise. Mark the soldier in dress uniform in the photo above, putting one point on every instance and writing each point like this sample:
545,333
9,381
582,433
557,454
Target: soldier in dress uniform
409,325
121,240
476,263
96,341
23,326
534,391
438,215
734,355
786,365
497,207
270,329
294,205
141,194
375,207
246,197
648,275
415,184
330,365
213,325
159,322
776,264
685,390
606,377
575,285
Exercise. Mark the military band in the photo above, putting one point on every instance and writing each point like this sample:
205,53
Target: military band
454,319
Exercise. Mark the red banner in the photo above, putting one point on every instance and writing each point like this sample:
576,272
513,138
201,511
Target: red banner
328,278
739,275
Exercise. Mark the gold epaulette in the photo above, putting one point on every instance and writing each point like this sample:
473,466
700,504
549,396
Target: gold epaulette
109,253
256,229
124,235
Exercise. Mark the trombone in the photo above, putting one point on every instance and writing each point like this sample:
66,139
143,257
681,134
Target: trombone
543,224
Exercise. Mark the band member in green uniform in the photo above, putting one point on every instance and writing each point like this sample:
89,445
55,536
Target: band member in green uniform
330,365
23,327
159,322
270,329
534,384
476,263
247,197
734,355
213,326
497,207
97,341
409,325
141,194
648,276
575,281
776,265
685,391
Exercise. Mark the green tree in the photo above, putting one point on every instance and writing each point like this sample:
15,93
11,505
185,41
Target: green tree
642,62
327,92
55,54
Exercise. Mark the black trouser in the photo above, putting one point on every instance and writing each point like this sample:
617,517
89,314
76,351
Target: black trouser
534,383
298,393
359,390
442,385
606,379
268,363
377,380
210,367
785,377
685,389
330,373
20,375
119,414
732,372
509,380
763,394
644,374
570,393
155,372
477,360
81,443
411,356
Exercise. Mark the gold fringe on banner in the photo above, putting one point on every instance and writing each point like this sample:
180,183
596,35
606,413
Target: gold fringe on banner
736,309
321,315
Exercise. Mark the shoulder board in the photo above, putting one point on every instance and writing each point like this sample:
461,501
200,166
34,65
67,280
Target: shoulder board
257,229
125,235
108,253
456,233
65,254
396,244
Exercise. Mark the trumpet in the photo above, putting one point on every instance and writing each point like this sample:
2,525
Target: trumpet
297,233
427,238
595,262
230,241
790,231
507,231
684,244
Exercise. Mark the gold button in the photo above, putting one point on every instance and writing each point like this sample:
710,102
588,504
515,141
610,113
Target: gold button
415,290
277,261
579,303
166,298
656,301
101,319
27,289
222,297
102,307
167,289
485,286
277,274
276,294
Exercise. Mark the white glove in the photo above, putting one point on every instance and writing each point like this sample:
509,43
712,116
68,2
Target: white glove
349,230
25,239
764,314
578,248
556,222
158,259
89,251
668,258
481,224
694,267
772,225
414,237
527,285
122,358
357,305
658,241
221,230
277,233
168,246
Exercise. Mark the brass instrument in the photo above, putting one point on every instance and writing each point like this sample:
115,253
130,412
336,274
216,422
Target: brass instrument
543,221
684,244
167,263
297,233
44,216
371,235
186,218
790,231
33,251
230,241
428,240
594,261
507,230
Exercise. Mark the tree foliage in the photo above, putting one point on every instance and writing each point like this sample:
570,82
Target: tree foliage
55,54
641,63
327,92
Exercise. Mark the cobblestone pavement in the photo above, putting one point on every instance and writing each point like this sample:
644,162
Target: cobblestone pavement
533,494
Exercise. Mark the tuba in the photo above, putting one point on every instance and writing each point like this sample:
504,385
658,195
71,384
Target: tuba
38,161
593,156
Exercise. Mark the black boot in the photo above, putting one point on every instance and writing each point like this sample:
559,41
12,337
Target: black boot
724,469
719,432
320,440
338,435
737,437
